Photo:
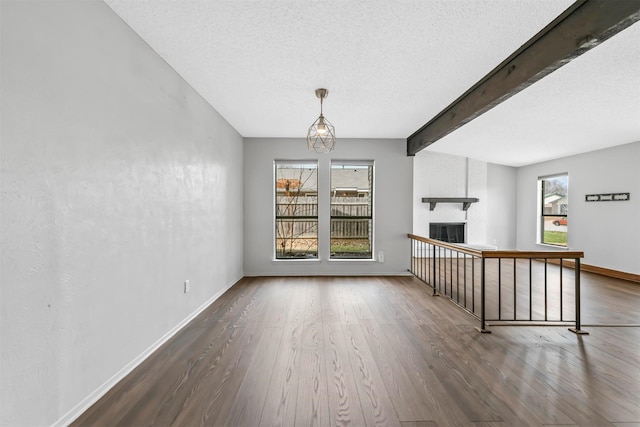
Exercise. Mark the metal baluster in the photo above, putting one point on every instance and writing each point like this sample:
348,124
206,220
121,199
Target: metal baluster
444,272
530,289
515,286
499,288
545,289
440,269
458,277
418,261
561,295
433,270
473,284
464,262
451,273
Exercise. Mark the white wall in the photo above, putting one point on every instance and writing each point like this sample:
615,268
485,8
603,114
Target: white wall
118,183
392,205
490,221
607,232
501,207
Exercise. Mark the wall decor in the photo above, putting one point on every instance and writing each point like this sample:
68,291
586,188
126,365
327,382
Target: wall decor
607,197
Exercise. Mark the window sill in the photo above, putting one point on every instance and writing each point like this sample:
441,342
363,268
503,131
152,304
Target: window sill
547,245
351,260
301,260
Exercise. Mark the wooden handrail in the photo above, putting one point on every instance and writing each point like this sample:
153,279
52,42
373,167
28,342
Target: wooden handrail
453,246
533,254
436,269
501,253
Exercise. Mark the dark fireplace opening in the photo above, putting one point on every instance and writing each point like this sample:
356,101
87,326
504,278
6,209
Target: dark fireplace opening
451,232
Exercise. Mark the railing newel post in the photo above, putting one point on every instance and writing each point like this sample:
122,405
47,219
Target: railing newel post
483,324
577,329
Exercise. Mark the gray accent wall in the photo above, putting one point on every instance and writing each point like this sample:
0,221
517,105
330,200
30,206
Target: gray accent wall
392,206
607,232
119,182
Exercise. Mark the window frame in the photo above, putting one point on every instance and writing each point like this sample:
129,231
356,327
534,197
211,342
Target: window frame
279,217
542,215
358,195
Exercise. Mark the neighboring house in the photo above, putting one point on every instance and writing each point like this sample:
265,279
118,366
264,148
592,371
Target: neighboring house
555,204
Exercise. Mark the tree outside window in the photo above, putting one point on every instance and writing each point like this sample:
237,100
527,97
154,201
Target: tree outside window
296,192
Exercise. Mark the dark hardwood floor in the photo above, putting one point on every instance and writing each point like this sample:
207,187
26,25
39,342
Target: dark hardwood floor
360,351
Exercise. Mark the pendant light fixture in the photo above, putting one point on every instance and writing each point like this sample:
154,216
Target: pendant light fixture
321,137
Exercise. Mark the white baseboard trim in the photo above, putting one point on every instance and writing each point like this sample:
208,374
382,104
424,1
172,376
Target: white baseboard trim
92,398
334,274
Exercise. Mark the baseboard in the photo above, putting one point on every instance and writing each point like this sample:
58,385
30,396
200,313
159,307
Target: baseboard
86,403
334,274
616,274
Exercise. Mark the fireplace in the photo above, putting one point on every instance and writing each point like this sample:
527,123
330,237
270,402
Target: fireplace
451,232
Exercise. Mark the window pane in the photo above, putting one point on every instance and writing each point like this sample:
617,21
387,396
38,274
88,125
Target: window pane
296,238
351,211
555,208
555,192
555,230
351,238
296,210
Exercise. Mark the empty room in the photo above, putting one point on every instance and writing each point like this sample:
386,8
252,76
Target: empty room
320,213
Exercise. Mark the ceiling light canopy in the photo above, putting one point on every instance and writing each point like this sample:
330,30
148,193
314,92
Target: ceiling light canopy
321,136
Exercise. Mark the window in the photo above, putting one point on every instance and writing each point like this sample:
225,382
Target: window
554,209
296,185
351,210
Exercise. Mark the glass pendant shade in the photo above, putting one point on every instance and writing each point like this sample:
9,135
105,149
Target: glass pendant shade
321,136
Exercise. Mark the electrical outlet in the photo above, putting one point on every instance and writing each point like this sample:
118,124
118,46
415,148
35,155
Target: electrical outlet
380,256
187,285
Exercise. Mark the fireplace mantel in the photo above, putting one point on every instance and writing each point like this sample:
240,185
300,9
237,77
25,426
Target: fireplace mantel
433,201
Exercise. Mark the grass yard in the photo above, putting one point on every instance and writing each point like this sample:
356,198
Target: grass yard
555,237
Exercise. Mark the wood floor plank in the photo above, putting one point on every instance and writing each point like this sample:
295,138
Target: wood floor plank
344,401
374,399
545,381
445,408
357,351
221,380
344,303
312,406
406,399
297,303
360,306
419,424
280,408
477,400
182,380
125,395
278,303
574,378
330,310
533,396
313,301
375,298
519,397
249,400
236,307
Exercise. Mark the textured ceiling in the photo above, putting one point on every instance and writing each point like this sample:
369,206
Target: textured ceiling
390,66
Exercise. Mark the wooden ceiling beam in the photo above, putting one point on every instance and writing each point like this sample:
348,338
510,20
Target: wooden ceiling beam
581,27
